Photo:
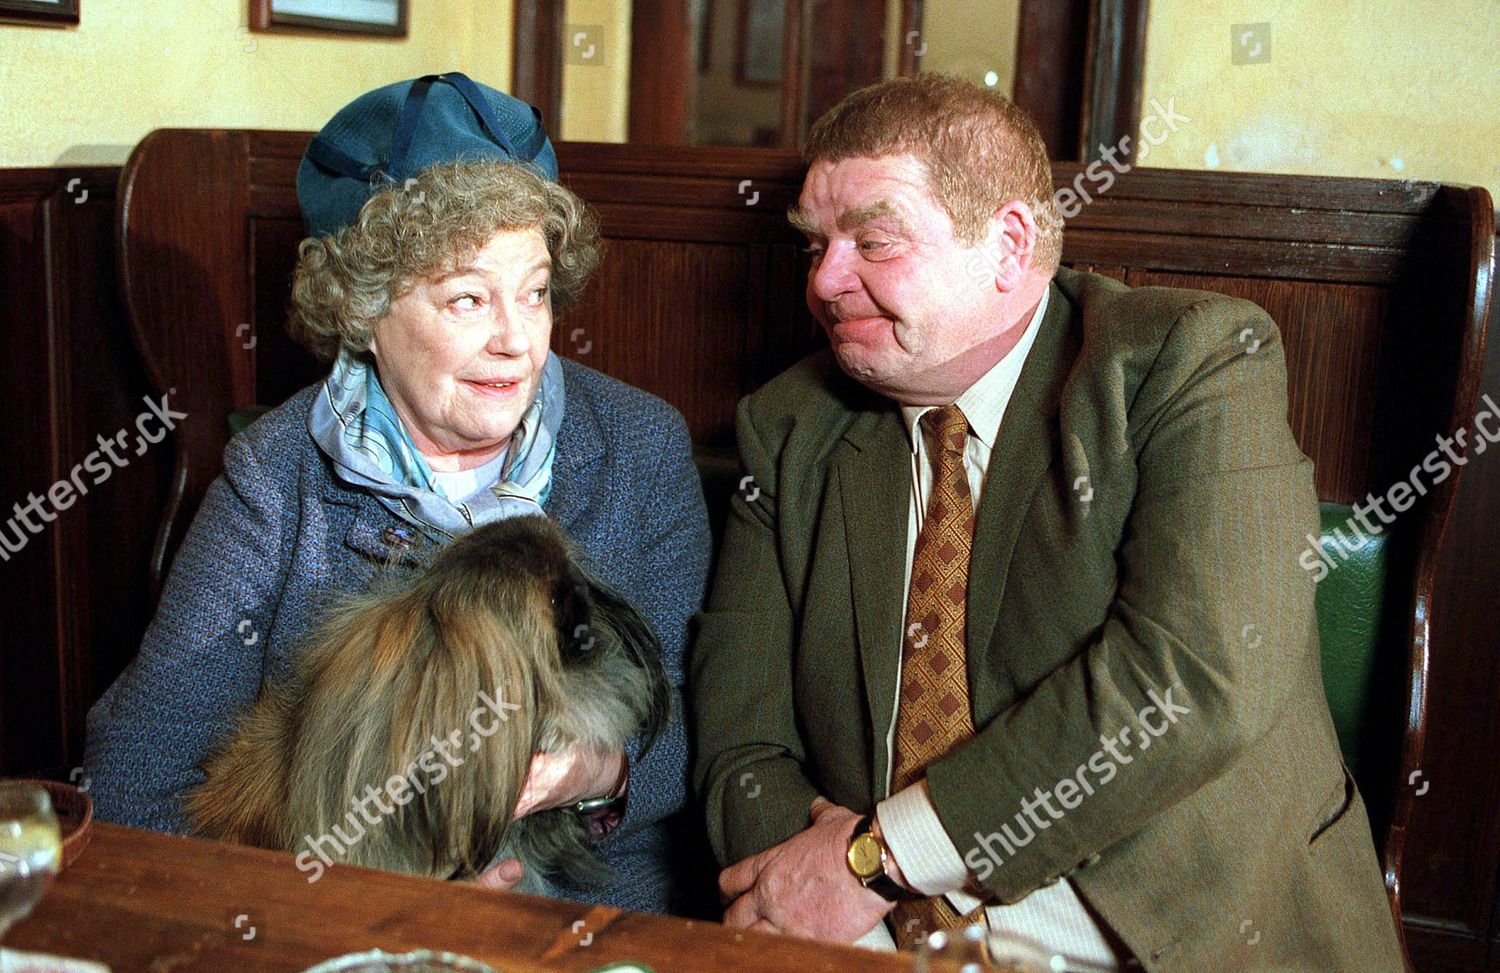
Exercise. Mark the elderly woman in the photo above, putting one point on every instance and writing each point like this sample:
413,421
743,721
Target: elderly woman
437,259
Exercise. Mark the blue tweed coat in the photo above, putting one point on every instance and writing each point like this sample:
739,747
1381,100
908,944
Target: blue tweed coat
278,535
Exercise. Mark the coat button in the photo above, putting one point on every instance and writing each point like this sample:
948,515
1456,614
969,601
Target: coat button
1090,860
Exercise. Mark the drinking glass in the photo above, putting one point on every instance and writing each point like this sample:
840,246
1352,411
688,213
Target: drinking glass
30,850
974,949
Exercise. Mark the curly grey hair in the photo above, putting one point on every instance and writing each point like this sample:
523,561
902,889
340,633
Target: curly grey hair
344,284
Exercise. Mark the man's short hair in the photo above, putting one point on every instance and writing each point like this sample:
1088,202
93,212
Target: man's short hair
979,149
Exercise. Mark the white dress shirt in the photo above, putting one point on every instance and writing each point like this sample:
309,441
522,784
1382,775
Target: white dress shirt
1052,915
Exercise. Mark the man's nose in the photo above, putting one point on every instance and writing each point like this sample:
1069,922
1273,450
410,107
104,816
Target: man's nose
833,276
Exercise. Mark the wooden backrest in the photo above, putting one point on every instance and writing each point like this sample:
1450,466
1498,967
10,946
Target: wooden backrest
1381,290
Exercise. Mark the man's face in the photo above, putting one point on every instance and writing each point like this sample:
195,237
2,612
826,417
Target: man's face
907,307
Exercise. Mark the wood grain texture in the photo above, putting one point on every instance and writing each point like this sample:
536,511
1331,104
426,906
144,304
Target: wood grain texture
57,13
1380,289
76,596
841,60
138,901
182,222
1116,70
1052,70
536,61
658,100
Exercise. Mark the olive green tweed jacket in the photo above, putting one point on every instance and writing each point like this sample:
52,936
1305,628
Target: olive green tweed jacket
1136,547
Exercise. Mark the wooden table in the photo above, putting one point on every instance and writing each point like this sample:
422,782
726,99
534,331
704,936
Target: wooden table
142,901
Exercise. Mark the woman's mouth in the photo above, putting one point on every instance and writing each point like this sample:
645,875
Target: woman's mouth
498,387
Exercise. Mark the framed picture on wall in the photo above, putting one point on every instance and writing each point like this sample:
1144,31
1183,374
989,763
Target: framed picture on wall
39,12
385,17
757,53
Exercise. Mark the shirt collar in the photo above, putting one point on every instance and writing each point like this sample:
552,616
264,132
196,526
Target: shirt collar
984,402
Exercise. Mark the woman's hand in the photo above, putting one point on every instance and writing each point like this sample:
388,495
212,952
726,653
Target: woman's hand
502,876
570,776
556,780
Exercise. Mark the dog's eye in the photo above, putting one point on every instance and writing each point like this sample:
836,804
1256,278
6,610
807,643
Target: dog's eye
571,612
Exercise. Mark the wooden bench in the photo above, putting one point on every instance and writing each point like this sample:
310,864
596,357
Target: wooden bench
1381,290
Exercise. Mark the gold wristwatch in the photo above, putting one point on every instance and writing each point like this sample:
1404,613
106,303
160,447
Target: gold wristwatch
867,857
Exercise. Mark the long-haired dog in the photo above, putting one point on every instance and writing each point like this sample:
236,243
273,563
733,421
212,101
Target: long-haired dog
427,697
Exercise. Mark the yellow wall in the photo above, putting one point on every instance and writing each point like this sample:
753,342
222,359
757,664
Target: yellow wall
87,95
1380,88
972,39
726,112
596,90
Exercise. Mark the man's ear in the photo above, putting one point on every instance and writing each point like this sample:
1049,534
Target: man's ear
1013,236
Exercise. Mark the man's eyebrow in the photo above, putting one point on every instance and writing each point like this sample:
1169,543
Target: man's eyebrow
802,222
851,219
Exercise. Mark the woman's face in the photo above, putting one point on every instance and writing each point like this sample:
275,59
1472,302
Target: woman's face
461,356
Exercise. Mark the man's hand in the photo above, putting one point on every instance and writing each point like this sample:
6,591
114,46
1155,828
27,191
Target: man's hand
803,886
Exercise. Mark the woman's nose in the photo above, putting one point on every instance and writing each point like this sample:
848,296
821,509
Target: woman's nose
509,335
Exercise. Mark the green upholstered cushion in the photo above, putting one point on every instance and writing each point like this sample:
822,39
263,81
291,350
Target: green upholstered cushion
1350,604
240,419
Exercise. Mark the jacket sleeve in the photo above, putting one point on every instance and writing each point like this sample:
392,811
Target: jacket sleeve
200,663
749,766
1210,623
671,557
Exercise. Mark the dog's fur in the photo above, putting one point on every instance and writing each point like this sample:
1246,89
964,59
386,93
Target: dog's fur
506,610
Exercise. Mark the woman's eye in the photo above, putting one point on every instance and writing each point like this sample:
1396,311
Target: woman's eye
465,302
538,295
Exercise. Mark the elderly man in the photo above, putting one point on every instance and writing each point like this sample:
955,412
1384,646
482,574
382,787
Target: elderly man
1011,626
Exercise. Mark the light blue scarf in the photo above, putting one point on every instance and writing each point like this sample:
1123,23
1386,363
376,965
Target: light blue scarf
354,423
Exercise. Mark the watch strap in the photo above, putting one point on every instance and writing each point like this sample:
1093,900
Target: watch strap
880,883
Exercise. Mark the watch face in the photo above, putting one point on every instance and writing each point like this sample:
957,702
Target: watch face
864,856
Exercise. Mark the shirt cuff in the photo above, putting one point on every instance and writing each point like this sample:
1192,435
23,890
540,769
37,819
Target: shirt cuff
915,837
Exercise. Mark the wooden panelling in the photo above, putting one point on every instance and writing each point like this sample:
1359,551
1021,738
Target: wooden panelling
282,365
698,335
841,60
1453,845
1052,70
31,721
1116,70
1333,335
536,61
660,36
1378,289
76,597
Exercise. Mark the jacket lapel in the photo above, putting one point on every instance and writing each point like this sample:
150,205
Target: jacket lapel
580,446
1023,451
874,483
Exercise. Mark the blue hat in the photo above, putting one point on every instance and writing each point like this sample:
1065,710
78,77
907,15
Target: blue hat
386,136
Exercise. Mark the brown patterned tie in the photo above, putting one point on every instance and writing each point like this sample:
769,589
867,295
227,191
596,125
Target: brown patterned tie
934,716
